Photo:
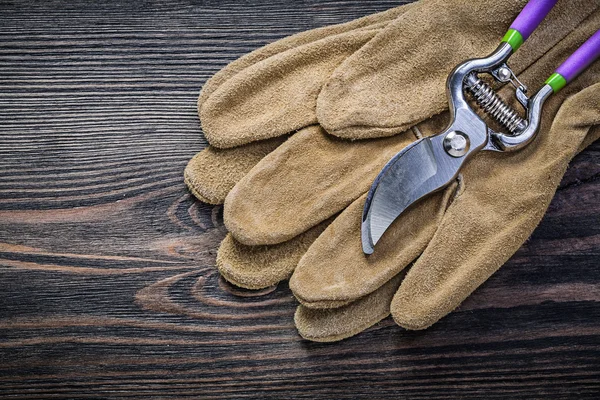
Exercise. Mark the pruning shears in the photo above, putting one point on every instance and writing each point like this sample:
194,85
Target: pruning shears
432,163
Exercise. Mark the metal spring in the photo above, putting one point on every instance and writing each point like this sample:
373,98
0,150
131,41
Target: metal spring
491,103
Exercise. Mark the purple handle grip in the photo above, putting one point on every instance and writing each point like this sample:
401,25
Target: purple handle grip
583,57
531,16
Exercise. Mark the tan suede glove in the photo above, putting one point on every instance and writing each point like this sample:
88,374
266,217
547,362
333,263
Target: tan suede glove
391,84
212,173
328,155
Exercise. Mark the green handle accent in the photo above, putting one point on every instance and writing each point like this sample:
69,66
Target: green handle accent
556,81
514,38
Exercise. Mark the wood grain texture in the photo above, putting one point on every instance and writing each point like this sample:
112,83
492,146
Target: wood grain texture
107,285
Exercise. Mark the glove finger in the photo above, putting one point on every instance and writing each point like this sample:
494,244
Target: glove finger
309,178
335,271
258,267
330,325
213,172
277,95
389,83
505,197
291,42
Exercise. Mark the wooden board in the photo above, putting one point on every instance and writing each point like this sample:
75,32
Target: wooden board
107,284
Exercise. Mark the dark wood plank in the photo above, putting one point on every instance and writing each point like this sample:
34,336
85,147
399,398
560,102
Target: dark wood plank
107,284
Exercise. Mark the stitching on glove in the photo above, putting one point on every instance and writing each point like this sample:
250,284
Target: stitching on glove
417,132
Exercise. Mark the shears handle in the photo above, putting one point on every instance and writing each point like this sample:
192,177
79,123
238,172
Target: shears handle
528,19
577,62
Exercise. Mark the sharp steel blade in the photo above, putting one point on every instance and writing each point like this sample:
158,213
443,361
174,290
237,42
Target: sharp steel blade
413,173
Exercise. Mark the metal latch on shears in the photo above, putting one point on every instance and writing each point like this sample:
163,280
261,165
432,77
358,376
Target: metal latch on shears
432,163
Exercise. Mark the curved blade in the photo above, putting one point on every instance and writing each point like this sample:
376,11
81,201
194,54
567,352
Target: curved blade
413,173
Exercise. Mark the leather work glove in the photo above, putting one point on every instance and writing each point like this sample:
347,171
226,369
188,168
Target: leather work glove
287,198
212,173
370,81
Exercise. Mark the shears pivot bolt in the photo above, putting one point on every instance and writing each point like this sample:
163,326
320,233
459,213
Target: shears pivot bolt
456,144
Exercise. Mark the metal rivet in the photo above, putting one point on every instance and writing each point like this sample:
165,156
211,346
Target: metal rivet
504,74
456,144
